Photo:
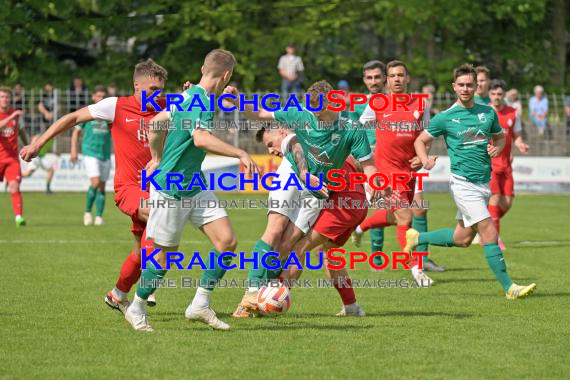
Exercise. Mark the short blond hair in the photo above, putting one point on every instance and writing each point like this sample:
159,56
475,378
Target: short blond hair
218,61
150,69
6,90
321,87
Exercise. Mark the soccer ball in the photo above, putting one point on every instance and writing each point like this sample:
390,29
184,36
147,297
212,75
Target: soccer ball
274,300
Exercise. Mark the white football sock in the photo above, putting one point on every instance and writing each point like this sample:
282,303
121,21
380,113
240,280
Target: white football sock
119,294
138,306
416,271
358,230
253,289
201,299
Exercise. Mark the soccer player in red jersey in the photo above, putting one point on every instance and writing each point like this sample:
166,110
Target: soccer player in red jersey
502,183
9,161
132,154
396,131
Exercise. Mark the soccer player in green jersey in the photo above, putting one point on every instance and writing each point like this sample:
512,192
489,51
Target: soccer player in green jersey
183,152
374,78
468,128
483,82
325,149
96,149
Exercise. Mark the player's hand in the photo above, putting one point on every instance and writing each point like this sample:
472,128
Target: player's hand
249,165
187,85
29,151
523,148
16,114
150,167
492,151
73,157
314,181
430,163
415,163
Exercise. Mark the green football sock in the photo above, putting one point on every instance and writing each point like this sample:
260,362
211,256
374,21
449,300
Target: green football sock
211,276
99,203
254,275
441,238
377,238
495,259
147,282
420,224
90,198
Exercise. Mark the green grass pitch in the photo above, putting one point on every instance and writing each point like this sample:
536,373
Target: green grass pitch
54,324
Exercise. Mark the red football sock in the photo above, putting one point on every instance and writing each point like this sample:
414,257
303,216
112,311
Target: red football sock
17,203
377,220
496,214
401,234
131,269
130,272
346,293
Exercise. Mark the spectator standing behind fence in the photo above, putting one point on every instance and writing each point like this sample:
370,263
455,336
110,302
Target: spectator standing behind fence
19,103
47,105
538,108
78,95
292,71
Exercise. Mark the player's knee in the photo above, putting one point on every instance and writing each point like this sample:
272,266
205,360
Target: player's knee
14,187
463,242
419,212
226,243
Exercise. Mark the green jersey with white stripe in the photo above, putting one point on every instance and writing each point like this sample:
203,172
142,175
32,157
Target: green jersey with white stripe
467,131
326,147
180,154
96,139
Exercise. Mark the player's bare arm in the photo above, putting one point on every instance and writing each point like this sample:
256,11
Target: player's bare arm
16,114
520,144
206,141
370,169
301,161
496,148
61,125
421,145
156,141
74,142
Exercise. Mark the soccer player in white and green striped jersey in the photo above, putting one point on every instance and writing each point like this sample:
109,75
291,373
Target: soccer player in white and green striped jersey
183,152
468,128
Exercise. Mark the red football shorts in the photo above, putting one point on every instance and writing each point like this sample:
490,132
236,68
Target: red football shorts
10,170
128,200
338,223
503,183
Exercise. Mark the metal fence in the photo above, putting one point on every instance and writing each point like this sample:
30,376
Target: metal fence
555,142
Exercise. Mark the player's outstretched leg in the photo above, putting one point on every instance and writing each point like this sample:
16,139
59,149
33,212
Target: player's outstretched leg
136,312
128,276
221,234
